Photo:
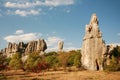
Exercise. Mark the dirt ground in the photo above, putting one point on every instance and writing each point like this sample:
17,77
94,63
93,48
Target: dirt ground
59,75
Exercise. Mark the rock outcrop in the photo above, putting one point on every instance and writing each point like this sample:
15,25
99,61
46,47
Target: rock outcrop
60,45
34,46
93,47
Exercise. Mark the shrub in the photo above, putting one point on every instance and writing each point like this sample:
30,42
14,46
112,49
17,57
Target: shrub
35,63
15,62
114,66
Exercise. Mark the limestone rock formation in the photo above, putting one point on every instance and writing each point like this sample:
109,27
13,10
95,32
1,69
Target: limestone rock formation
34,46
31,47
41,46
93,47
60,45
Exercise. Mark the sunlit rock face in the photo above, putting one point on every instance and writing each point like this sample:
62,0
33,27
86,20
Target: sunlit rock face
31,47
36,46
93,46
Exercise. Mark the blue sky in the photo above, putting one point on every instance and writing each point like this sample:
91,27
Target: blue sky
56,20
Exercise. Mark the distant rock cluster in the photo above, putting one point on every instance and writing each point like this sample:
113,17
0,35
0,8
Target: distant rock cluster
25,48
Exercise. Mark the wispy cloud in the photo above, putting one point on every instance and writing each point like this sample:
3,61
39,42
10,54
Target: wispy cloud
19,32
53,40
22,5
58,2
25,13
28,7
27,4
26,37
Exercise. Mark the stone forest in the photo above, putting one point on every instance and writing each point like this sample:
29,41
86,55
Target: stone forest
31,57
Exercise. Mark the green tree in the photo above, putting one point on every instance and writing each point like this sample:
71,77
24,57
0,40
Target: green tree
15,61
74,58
63,59
33,60
52,61
77,60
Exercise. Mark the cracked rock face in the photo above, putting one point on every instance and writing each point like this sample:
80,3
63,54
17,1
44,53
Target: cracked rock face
34,46
93,46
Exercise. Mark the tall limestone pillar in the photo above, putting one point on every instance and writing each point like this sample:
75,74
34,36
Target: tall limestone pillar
93,47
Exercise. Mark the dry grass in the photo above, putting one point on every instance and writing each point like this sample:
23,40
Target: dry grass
59,75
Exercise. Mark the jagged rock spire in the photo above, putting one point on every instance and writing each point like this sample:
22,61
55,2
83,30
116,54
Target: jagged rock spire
93,47
60,45
94,19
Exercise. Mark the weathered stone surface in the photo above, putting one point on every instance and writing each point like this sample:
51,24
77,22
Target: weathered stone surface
60,45
34,46
31,47
93,47
41,45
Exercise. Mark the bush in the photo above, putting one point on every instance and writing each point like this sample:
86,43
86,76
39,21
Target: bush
15,62
35,63
114,66
3,62
74,58
77,60
52,60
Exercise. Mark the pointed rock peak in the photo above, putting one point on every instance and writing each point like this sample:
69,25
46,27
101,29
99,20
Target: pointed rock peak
94,19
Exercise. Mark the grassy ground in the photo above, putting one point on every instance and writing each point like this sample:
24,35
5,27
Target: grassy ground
59,75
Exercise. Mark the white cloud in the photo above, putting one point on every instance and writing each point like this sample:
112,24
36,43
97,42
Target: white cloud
52,49
28,7
26,13
58,2
22,37
52,41
27,4
22,5
19,32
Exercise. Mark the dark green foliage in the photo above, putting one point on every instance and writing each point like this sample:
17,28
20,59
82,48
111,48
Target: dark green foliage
52,60
77,60
32,61
74,58
35,63
114,66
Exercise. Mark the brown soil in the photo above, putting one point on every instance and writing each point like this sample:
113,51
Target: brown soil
59,75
